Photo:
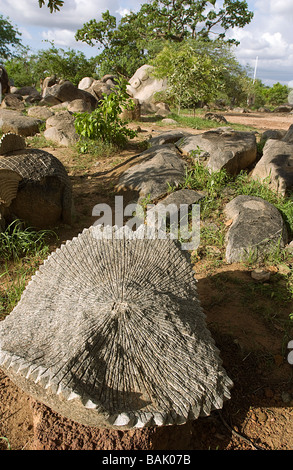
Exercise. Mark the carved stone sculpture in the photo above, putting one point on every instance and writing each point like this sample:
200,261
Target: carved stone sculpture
34,185
110,333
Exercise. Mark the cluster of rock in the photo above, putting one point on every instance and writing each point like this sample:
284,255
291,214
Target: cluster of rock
58,100
256,227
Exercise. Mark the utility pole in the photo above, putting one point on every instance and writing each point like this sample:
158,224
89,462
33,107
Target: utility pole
255,69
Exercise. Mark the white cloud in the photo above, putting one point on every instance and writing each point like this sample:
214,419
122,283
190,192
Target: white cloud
60,37
72,15
270,38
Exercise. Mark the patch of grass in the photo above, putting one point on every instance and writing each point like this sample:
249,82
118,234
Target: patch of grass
199,122
22,251
39,141
17,242
87,151
219,188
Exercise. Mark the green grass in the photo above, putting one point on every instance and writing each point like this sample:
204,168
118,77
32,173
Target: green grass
17,242
197,121
21,252
220,188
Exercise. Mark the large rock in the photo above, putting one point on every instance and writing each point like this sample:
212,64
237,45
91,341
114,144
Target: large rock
99,88
60,129
276,166
223,148
288,137
12,101
79,106
13,121
30,94
168,137
40,112
257,229
276,134
66,91
132,113
158,167
143,85
85,83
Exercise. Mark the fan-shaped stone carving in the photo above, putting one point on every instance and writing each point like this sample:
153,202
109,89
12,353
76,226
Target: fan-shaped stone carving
110,333
10,142
33,184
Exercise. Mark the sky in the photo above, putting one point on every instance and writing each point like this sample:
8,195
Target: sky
266,44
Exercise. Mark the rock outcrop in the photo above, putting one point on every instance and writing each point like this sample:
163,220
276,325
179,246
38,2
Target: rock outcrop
257,229
222,148
155,169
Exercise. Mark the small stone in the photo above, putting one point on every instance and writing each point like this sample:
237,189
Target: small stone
283,269
260,275
286,397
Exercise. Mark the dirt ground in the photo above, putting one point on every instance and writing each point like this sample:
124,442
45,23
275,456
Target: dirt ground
250,335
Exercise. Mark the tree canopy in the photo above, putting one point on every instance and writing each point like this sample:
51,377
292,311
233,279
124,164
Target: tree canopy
141,35
8,37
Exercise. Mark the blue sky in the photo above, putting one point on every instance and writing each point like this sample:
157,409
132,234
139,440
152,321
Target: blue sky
269,37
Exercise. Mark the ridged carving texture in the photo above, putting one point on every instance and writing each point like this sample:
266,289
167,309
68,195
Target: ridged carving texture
34,164
110,333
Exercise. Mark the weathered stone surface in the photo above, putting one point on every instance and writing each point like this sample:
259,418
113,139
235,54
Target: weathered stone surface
257,229
85,83
43,195
12,101
110,333
60,129
13,121
276,134
168,137
276,165
30,93
143,86
40,112
157,167
288,137
79,106
66,91
223,148
49,81
163,109
168,210
285,108
169,121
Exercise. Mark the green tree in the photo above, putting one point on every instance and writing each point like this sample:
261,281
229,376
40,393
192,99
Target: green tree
68,64
139,36
277,94
9,37
19,68
105,123
192,78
